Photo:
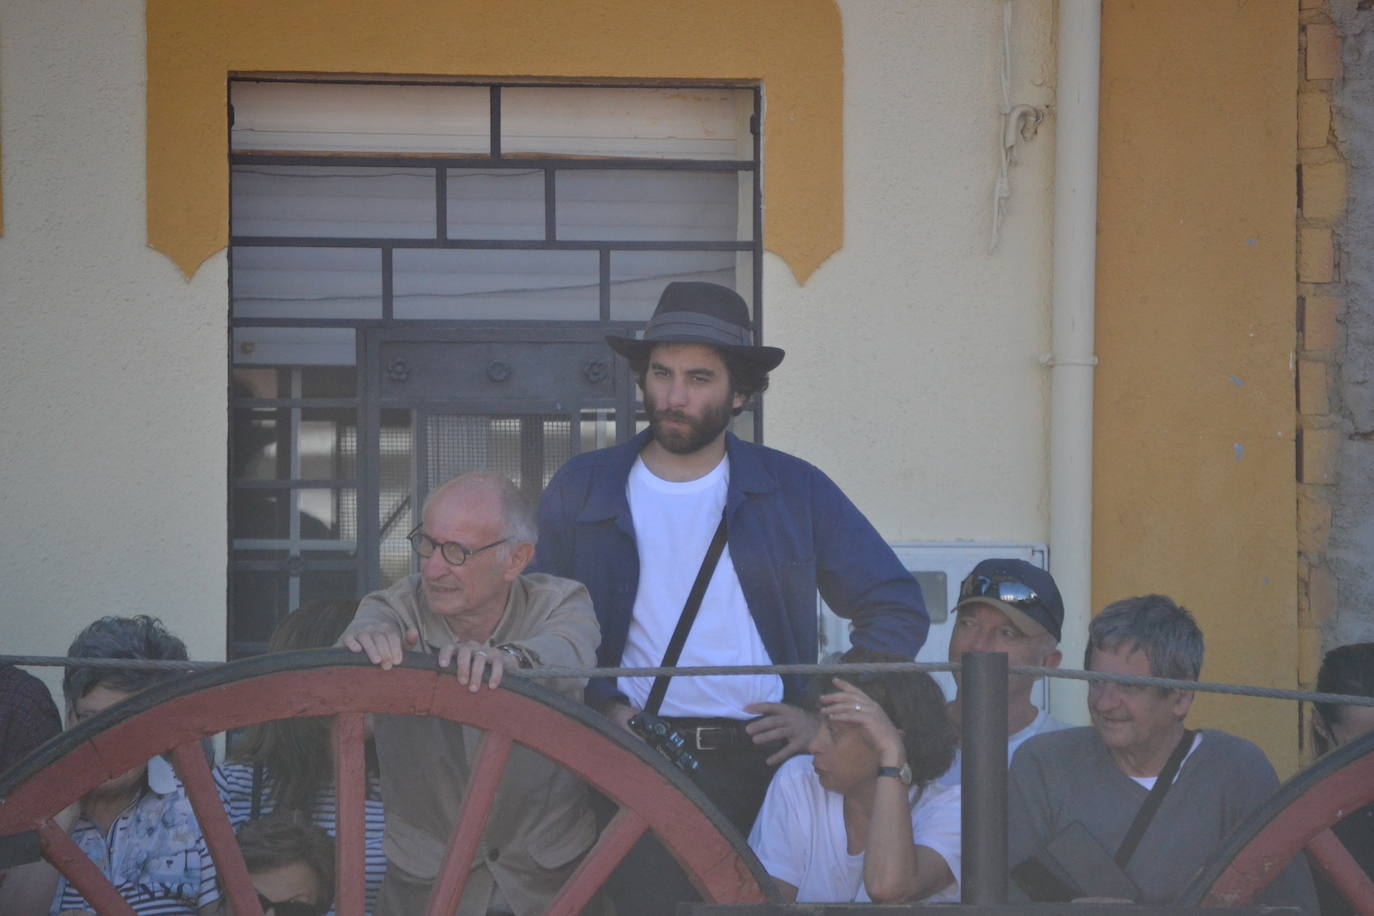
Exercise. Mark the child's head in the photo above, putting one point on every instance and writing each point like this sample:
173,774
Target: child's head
291,863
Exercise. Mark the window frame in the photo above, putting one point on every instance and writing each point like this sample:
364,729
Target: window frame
365,555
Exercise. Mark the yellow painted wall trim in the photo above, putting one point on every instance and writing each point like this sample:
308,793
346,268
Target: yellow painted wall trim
1193,468
793,46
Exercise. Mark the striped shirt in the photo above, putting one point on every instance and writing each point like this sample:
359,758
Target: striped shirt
154,854
235,783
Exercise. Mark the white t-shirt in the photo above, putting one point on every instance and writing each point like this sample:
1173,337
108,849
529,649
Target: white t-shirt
674,523
1042,723
1148,782
800,838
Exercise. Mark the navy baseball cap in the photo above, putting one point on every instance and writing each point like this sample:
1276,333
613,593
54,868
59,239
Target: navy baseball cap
1024,592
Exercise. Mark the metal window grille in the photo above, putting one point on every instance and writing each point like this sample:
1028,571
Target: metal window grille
407,306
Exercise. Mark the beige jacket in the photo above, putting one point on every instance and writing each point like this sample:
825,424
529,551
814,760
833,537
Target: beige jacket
541,819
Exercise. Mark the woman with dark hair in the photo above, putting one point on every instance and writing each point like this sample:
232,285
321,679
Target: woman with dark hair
860,818
1348,670
288,764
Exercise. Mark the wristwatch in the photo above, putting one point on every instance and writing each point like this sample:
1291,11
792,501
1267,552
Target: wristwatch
518,654
902,772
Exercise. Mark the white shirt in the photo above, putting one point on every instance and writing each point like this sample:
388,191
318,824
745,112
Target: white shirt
674,523
1042,723
1148,782
800,837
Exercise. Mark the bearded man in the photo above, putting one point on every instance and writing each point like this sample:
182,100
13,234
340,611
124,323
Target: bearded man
634,522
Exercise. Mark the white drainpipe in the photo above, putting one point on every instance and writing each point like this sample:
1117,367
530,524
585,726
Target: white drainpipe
1072,359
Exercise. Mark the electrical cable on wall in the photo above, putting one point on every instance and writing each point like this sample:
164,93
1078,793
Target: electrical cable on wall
1017,121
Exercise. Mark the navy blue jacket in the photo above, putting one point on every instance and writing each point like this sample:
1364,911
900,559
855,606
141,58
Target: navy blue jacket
791,532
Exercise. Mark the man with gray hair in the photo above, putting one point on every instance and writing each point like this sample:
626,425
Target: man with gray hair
472,603
1135,806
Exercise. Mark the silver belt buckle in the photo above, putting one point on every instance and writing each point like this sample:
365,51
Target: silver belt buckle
725,729
696,737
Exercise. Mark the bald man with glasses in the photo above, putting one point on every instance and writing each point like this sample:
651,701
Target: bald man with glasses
472,604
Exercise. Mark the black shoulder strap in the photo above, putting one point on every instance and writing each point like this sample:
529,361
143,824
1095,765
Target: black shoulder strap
1163,781
689,614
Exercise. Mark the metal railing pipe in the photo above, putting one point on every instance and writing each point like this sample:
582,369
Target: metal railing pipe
983,719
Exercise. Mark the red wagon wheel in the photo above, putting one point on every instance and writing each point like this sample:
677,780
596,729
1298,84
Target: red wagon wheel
1298,816
172,718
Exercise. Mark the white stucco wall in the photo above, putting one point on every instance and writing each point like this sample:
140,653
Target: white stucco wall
112,456
911,375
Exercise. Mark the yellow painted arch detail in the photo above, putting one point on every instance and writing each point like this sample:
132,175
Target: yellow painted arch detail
793,47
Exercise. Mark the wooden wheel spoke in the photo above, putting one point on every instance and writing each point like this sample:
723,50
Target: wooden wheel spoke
350,797
1300,814
194,772
472,820
77,867
1330,855
180,712
610,848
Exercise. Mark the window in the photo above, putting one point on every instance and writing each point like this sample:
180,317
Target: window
421,276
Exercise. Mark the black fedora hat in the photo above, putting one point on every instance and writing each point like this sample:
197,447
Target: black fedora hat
704,313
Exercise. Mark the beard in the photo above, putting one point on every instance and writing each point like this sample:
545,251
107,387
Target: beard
697,434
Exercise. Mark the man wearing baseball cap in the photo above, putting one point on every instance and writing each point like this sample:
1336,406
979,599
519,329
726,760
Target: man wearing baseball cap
635,523
1014,607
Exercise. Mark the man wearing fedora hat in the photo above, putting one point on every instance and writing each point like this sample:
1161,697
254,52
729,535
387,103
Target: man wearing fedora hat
634,522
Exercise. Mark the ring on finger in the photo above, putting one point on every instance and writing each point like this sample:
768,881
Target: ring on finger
858,707
481,653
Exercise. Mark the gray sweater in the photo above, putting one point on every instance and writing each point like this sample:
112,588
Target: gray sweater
1068,776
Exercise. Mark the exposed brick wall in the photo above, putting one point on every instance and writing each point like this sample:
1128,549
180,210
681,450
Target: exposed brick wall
1322,196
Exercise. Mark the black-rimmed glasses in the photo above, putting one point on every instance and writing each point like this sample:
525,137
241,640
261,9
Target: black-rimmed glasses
454,554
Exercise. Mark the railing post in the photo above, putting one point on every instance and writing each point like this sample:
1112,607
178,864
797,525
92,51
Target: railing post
983,712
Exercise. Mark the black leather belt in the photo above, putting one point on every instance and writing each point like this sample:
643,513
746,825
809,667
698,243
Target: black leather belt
714,734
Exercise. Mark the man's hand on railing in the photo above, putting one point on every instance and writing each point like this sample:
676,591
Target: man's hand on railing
473,659
383,642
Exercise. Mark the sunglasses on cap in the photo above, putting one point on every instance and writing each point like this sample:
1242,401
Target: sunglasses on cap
1007,589
290,907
